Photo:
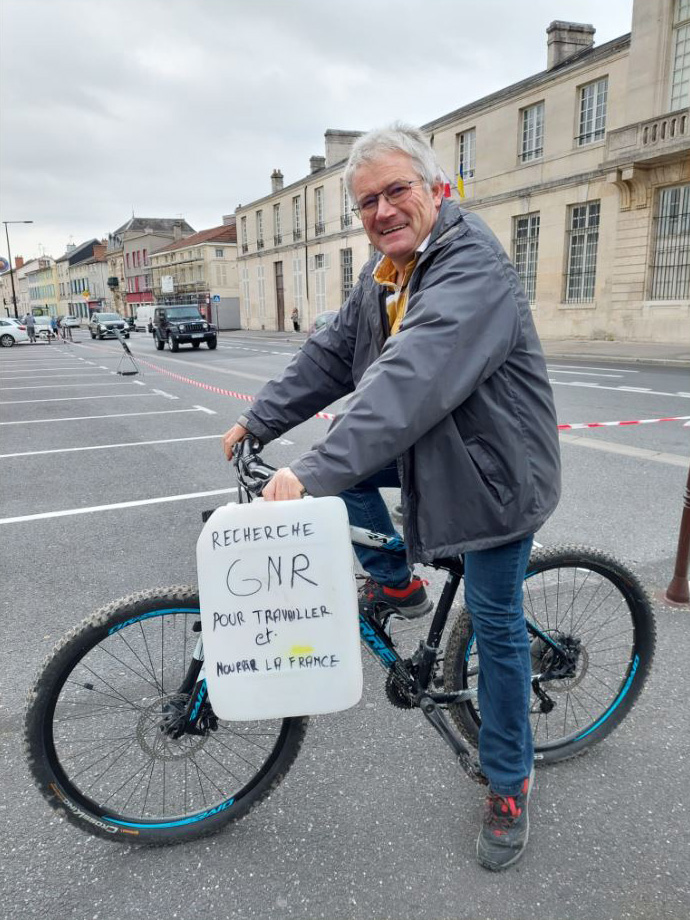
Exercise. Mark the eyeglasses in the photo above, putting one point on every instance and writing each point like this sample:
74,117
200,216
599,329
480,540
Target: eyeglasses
395,193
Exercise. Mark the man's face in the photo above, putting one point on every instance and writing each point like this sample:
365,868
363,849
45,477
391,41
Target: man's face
396,230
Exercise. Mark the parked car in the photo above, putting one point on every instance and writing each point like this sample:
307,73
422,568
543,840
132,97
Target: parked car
175,326
44,327
321,320
12,332
102,325
70,321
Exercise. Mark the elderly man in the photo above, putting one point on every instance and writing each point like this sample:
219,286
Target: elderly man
450,401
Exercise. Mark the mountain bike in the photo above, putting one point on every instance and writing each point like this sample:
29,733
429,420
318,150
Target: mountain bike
122,739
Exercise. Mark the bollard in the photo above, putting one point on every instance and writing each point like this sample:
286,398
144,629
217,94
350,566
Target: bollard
677,591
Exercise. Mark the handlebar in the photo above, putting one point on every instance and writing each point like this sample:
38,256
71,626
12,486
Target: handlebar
252,473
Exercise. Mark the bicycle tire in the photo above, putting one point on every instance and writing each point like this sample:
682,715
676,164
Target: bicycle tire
589,595
92,730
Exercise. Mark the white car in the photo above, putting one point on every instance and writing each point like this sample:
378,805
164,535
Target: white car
44,327
11,332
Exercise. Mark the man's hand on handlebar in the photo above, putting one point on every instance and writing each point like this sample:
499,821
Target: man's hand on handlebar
236,434
251,472
283,487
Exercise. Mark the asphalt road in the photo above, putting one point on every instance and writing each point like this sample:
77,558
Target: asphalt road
103,479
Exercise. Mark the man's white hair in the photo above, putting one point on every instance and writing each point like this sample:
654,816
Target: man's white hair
396,138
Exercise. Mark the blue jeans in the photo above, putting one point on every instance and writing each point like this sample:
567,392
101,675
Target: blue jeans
493,594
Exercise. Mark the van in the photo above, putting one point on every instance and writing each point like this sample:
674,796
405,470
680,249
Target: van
143,321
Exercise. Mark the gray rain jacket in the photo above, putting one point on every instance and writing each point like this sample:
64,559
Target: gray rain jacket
460,396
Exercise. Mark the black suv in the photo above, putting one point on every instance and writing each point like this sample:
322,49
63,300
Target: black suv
177,326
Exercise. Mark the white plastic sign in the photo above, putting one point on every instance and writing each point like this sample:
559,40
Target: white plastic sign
279,609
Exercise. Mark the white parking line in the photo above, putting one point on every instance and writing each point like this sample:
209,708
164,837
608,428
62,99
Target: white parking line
70,450
64,386
580,367
600,386
166,395
557,370
24,402
81,418
118,507
23,376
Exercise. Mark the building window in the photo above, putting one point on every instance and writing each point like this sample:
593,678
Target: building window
320,282
146,257
345,273
583,241
259,229
467,146
532,146
127,259
297,283
219,253
319,224
243,232
277,229
345,207
297,218
245,294
671,266
261,285
526,251
593,98
680,74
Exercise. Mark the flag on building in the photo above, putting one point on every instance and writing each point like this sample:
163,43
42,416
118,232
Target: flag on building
461,183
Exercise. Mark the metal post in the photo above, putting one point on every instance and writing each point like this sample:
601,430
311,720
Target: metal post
9,256
677,591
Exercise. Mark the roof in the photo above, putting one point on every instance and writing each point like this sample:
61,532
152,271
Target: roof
226,233
71,254
585,57
166,224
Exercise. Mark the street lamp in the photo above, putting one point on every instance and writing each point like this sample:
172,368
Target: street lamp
9,256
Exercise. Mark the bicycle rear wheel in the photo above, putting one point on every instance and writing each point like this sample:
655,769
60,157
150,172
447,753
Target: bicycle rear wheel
93,730
588,601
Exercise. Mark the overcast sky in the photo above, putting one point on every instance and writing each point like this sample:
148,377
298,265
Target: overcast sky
185,107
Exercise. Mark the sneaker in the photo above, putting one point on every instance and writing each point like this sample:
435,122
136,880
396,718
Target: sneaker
505,828
397,514
409,602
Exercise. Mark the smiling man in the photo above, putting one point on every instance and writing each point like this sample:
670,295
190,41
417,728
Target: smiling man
451,402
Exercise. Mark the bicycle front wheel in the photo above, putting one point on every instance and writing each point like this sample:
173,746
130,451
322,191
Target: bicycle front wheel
94,739
591,604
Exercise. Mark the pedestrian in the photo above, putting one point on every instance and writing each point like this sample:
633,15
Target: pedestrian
449,397
294,316
30,323
54,328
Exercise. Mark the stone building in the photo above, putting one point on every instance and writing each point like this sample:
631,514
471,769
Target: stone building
582,170
128,256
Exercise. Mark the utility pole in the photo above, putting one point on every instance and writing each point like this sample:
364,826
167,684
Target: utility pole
9,256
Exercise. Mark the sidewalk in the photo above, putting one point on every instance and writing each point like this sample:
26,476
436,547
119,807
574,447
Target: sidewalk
574,349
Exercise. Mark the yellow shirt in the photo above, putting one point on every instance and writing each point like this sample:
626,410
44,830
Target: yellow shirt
386,273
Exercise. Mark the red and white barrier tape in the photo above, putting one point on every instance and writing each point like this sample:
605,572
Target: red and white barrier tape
329,415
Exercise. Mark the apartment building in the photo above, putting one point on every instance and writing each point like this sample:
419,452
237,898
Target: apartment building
18,275
582,170
82,275
42,282
128,254
201,269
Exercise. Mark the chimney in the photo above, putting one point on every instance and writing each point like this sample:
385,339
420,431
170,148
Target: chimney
276,181
70,247
99,251
566,39
316,164
338,145
19,262
177,230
